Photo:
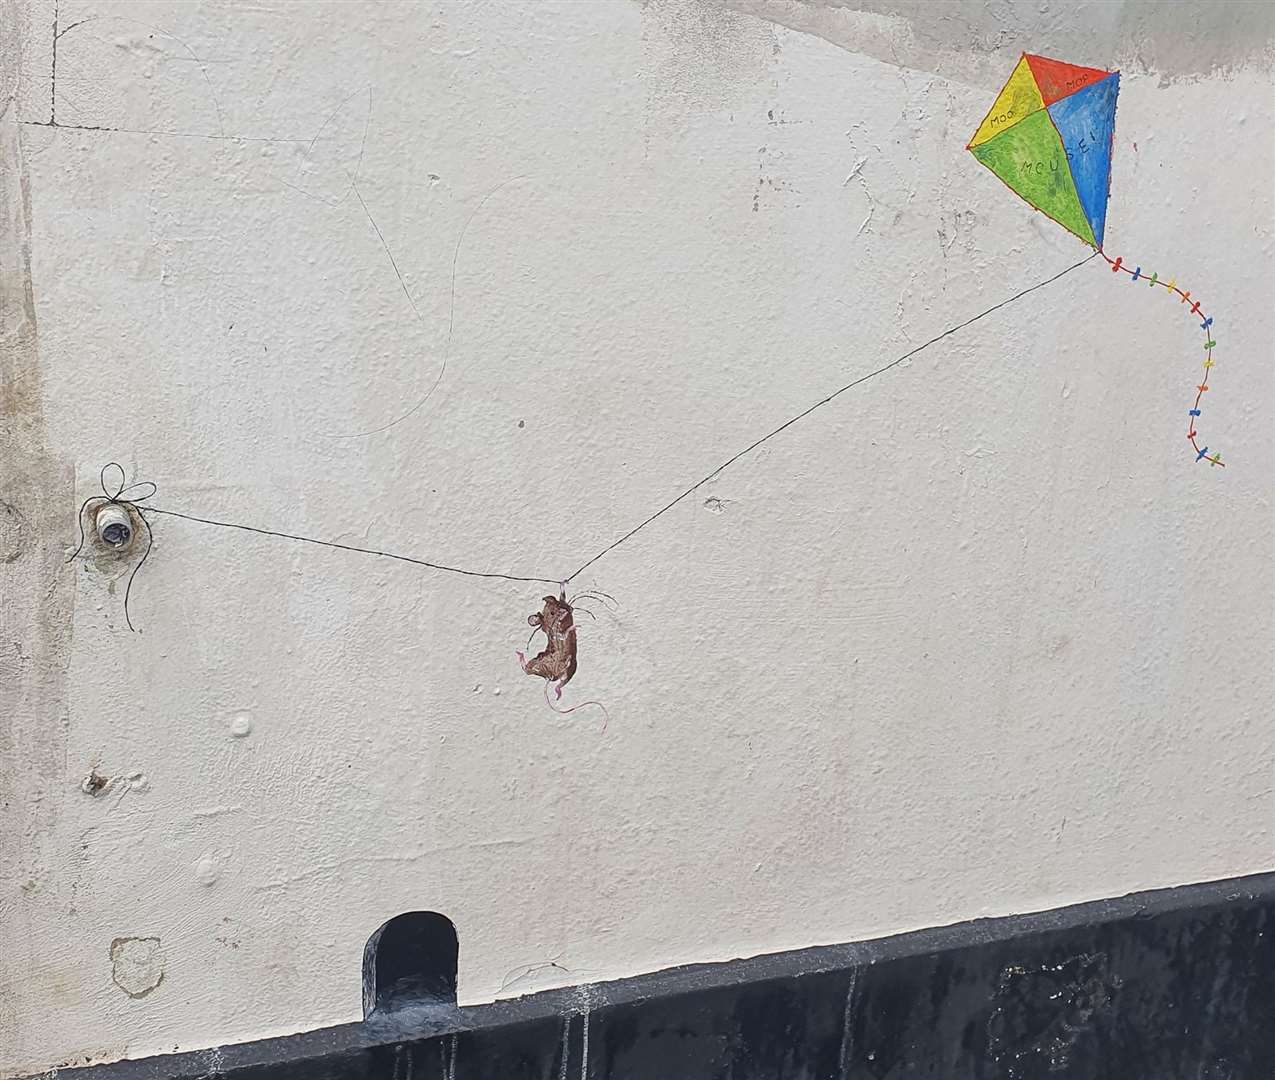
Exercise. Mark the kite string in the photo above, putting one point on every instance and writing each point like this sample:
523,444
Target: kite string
1206,324
819,404
107,496
350,547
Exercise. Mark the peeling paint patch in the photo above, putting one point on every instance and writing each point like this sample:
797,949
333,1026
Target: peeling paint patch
95,783
137,965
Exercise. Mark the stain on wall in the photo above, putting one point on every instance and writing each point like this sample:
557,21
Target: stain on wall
1041,1012
35,590
958,39
137,964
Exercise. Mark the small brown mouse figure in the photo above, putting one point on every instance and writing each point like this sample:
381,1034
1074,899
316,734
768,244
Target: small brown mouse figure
556,663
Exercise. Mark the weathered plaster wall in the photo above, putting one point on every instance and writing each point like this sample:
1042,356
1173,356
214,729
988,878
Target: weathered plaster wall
979,638
36,599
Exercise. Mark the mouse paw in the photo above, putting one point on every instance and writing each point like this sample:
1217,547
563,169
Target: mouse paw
522,659
557,691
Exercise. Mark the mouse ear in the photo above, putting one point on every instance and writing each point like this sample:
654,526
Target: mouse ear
533,620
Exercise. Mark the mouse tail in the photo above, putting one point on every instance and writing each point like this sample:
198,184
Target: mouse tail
606,716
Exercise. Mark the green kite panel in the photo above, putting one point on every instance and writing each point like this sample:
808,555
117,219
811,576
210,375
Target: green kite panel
1030,159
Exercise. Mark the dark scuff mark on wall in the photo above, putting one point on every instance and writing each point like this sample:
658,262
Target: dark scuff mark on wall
966,40
36,594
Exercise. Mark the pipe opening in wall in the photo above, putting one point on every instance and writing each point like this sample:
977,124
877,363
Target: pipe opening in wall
411,960
114,526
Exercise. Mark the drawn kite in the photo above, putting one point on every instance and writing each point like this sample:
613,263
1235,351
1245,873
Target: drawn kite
1049,137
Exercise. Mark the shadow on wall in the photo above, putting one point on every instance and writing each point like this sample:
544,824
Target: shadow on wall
410,960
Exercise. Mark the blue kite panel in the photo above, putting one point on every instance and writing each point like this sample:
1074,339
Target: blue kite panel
1086,120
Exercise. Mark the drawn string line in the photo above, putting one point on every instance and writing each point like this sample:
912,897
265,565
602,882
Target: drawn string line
1206,324
818,405
352,547
558,581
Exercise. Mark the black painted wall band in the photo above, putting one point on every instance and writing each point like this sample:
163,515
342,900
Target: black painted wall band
1174,984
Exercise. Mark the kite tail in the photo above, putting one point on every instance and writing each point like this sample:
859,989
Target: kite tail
1191,307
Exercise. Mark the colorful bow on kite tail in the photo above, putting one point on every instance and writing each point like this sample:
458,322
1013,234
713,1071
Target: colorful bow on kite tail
1048,137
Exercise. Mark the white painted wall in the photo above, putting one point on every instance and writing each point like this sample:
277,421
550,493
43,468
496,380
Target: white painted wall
978,638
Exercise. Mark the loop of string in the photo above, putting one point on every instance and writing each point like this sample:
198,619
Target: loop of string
117,497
